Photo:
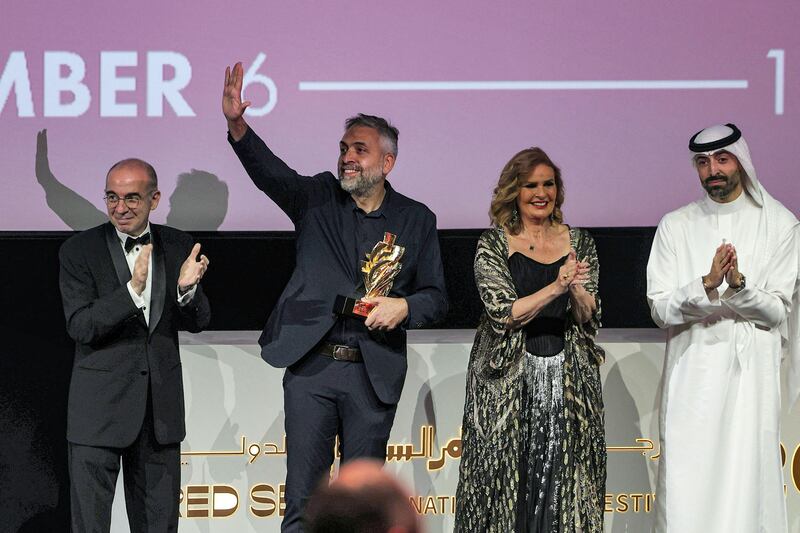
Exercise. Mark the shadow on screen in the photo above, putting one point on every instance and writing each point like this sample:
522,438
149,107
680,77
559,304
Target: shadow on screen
199,201
439,402
629,474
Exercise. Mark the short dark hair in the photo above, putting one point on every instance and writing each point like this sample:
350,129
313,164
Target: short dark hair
339,510
136,162
387,132
364,498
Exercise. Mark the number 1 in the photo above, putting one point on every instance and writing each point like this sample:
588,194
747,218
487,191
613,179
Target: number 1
778,54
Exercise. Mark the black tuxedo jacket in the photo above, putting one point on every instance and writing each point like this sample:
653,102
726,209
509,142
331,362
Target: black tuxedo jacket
116,353
327,265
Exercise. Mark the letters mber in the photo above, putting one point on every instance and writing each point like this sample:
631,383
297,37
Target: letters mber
66,93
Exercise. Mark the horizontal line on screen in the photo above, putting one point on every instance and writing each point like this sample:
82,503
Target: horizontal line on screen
579,85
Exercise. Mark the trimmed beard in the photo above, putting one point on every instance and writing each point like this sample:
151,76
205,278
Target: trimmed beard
720,192
362,184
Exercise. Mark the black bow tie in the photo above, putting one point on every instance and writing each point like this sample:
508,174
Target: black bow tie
130,242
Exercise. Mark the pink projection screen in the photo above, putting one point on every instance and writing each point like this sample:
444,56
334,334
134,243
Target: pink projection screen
611,90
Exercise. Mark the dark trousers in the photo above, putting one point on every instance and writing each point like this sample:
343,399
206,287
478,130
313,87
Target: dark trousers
323,398
152,480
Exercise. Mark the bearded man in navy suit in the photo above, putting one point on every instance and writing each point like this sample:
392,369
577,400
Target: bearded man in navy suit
127,287
344,375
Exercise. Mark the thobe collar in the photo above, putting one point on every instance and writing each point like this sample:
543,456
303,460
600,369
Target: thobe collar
728,208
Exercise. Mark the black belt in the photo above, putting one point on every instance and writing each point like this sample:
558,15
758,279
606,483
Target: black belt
340,352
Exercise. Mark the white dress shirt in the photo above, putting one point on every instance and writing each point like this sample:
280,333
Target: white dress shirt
142,301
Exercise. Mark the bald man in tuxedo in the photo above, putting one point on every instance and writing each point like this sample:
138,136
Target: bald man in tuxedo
127,287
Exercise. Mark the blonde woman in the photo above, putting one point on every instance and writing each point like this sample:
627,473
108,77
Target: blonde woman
534,455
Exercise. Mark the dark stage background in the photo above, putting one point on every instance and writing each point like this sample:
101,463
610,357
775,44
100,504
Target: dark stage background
247,274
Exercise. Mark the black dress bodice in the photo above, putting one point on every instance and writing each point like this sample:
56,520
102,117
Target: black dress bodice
544,335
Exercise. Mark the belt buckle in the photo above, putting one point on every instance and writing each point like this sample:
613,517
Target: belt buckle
336,350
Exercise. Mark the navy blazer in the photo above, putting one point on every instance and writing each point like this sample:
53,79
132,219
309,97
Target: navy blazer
327,266
116,352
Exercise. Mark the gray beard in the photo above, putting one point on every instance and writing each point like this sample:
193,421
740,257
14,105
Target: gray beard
362,185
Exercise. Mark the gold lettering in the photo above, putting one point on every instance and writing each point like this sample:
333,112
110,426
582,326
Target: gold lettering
636,498
258,495
433,504
622,503
416,503
430,505
226,501
442,503
197,490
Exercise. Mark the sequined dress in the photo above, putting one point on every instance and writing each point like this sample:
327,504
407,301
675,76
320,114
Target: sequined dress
533,456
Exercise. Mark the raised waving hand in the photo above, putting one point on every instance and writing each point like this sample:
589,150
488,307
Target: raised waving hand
232,105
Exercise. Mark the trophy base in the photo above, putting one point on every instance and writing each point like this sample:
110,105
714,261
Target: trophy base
351,307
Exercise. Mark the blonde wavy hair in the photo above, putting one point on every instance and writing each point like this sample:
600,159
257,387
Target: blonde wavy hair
503,210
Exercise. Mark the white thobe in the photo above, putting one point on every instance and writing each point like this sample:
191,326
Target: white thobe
720,467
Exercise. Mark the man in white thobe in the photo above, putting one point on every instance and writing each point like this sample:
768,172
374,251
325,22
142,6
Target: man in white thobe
721,278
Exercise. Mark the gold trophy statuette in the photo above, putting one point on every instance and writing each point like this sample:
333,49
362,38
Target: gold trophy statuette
380,268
